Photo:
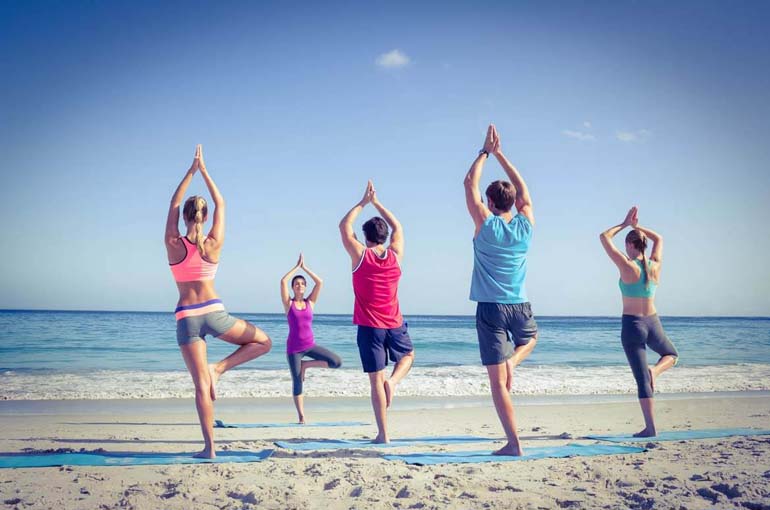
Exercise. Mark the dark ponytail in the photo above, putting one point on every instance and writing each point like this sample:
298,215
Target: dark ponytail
637,239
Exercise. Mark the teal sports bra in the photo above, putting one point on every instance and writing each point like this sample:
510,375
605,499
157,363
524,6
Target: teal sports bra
637,289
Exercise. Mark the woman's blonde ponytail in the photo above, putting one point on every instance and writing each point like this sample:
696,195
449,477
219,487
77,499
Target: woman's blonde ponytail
195,210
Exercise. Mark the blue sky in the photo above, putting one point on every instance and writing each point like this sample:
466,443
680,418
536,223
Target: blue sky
601,105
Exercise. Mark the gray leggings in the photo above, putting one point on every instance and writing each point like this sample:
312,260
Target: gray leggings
316,352
636,334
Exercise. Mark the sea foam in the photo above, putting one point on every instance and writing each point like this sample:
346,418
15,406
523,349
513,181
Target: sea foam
458,381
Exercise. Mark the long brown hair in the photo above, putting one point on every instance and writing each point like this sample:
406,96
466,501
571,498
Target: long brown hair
638,240
195,210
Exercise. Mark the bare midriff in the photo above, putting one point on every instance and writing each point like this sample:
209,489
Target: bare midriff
192,293
641,307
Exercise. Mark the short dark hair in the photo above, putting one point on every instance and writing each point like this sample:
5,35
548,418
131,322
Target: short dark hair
502,194
376,230
298,277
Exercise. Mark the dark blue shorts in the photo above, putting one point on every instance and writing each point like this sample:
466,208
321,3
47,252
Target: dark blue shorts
377,345
503,327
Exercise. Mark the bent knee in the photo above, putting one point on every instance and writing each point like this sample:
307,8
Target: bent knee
335,363
266,343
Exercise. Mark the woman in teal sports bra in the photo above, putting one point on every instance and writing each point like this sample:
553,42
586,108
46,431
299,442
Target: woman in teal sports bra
641,327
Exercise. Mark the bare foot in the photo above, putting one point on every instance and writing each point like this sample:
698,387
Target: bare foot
388,393
380,439
214,376
646,433
509,374
302,373
206,453
652,379
509,449
301,419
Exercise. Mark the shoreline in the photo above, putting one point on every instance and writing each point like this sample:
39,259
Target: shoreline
10,408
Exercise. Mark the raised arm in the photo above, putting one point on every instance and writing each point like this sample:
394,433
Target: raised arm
172,219
352,245
285,297
396,230
317,281
657,243
476,207
523,200
624,265
217,232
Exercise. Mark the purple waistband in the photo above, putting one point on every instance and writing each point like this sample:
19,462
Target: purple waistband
197,305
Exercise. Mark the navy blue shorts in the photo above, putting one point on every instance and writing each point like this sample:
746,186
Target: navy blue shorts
503,327
377,345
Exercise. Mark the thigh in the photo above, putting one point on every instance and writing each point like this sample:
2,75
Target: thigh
521,323
494,344
194,355
657,339
322,354
633,336
398,343
371,348
295,363
243,332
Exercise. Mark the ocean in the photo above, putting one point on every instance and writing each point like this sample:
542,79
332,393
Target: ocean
60,355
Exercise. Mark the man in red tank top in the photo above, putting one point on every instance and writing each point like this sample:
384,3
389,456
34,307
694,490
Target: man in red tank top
382,332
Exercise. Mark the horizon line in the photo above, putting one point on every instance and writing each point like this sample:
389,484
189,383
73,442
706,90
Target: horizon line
351,315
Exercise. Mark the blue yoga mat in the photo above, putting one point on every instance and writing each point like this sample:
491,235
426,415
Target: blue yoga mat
335,444
682,435
570,450
23,460
222,425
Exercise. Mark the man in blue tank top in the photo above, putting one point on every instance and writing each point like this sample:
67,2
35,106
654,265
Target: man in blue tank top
506,328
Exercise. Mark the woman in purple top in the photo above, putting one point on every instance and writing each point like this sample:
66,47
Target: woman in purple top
300,343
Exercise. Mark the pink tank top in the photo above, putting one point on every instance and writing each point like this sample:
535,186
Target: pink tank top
300,329
375,285
193,268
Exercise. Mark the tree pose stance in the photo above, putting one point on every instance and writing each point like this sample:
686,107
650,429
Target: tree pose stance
640,325
193,259
301,341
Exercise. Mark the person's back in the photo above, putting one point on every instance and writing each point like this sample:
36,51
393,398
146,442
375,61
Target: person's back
500,260
375,286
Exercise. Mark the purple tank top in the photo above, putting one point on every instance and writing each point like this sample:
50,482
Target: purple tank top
300,329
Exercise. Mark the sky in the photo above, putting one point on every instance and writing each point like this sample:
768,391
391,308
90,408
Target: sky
601,105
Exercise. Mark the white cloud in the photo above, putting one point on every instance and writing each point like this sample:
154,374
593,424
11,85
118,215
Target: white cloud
579,135
633,136
393,59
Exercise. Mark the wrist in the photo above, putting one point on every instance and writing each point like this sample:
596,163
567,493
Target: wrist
484,152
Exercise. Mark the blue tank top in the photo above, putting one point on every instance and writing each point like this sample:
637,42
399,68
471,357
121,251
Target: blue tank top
500,260
638,288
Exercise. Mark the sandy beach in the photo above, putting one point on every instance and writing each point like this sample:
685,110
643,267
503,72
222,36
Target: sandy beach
710,473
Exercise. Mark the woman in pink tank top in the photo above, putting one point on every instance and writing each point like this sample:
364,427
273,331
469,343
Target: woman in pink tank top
301,342
194,260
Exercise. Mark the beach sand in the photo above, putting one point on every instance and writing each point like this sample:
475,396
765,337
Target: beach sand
711,473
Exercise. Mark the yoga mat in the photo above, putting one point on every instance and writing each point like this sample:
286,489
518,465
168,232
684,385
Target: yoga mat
682,435
570,450
222,425
334,444
24,460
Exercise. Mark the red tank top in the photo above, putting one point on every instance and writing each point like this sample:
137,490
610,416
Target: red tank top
375,285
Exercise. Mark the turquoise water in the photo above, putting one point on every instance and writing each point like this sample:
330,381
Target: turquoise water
40,349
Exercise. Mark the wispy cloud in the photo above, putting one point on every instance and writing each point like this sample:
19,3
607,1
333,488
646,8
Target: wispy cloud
578,135
633,136
393,59
587,125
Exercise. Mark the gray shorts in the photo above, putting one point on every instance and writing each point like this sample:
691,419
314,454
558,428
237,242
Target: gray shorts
192,329
501,328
